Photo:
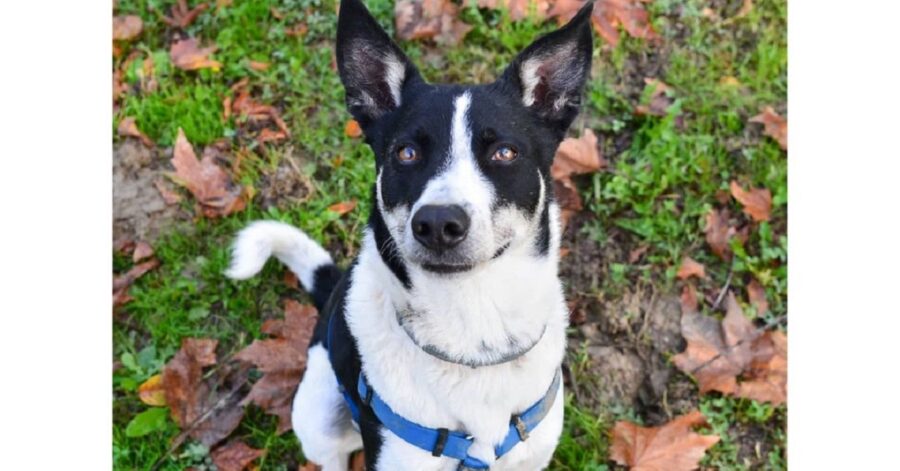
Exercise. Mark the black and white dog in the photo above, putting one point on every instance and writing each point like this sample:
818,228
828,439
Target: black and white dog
440,347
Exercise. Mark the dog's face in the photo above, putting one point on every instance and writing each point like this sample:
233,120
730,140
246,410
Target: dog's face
463,172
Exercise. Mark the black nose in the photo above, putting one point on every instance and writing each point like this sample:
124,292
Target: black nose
440,227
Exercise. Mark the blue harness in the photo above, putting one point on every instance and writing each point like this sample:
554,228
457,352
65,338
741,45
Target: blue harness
440,441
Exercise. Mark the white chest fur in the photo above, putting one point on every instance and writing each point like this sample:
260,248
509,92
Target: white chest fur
511,299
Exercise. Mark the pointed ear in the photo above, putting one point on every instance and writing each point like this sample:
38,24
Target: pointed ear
549,75
373,69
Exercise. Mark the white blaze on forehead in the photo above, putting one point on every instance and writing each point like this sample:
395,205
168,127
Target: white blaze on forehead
460,181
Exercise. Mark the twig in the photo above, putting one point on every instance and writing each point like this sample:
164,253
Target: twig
724,290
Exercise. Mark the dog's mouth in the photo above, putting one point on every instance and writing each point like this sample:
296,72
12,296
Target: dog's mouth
448,268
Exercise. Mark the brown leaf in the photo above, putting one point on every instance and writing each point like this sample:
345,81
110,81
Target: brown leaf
151,392
181,16
659,99
352,129
607,16
689,303
235,456
281,359
142,250
635,255
766,378
206,180
690,267
300,29
718,354
577,156
186,55
290,279
719,233
252,111
757,202
128,127
121,283
197,405
670,447
420,19
257,65
343,207
774,125
519,9
126,28
757,296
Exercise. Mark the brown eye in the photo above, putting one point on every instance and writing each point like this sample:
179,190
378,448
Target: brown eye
407,154
505,154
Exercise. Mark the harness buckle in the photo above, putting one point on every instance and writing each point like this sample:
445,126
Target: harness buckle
438,449
520,427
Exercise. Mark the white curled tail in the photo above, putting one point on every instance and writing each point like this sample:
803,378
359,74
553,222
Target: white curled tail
263,239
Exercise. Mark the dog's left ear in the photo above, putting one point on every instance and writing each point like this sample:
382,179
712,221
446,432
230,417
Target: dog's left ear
372,67
549,75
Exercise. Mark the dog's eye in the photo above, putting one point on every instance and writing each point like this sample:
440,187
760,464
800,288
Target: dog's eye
505,154
407,154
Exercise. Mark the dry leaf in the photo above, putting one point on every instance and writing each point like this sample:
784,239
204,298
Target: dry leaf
774,125
252,112
577,156
121,283
419,19
607,16
142,250
186,55
300,29
659,99
209,184
290,279
234,456
766,378
757,296
343,207
281,359
689,303
673,446
151,392
258,65
635,255
181,16
206,412
519,9
757,202
128,127
127,27
352,129
169,196
719,233
690,267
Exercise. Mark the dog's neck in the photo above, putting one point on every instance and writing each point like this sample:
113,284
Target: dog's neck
493,314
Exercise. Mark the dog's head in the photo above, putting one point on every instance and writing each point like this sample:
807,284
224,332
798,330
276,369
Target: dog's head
463,172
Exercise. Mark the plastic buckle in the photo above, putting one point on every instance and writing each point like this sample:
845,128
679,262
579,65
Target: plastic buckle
438,449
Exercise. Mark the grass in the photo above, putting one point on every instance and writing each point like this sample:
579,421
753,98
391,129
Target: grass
657,189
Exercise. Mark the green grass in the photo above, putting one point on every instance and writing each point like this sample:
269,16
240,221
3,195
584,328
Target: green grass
657,190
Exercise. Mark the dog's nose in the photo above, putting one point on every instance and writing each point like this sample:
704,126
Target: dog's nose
440,227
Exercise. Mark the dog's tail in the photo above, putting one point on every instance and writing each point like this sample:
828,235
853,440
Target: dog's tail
308,260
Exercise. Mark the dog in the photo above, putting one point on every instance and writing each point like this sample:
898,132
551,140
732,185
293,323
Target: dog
440,347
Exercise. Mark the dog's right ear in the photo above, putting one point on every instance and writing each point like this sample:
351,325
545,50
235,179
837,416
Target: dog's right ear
373,69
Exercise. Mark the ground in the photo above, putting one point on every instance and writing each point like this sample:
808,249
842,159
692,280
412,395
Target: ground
641,215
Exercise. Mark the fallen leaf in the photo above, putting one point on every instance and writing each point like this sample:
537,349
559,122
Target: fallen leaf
186,55
730,81
181,16
766,378
151,392
607,16
352,129
121,283
745,10
258,65
690,267
757,202
757,296
300,29
119,86
290,279
420,19
142,250
128,127
719,233
519,9
269,135
169,196
689,303
252,112
204,411
234,456
774,125
209,184
281,359
577,156
148,82
127,27
673,446
659,101
343,207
